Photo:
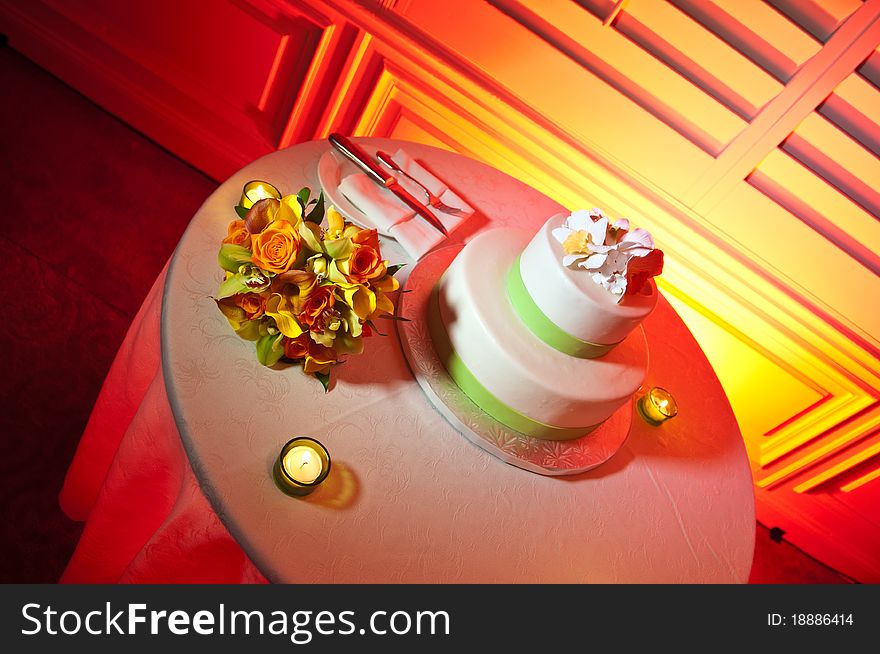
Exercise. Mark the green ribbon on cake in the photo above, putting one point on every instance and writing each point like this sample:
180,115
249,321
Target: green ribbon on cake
544,328
480,395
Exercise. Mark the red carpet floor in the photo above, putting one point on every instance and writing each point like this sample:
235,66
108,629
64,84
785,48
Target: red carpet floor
92,210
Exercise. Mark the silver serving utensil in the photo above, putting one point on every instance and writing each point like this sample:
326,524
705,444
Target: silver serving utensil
376,173
433,200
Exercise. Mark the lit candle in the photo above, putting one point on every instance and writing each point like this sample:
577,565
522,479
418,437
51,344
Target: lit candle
257,190
657,406
302,465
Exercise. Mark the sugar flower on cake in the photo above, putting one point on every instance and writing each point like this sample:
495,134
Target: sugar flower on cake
303,292
617,257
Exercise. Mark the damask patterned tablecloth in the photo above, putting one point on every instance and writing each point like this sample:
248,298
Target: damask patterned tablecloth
174,471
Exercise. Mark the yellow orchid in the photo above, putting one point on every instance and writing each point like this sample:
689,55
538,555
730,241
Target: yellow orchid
335,224
290,210
383,305
310,233
349,322
269,210
387,284
281,309
296,286
348,344
333,323
319,359
317,264
325,338
359,297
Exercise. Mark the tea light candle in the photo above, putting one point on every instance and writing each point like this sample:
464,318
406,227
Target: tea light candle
257,190
302,465
657,406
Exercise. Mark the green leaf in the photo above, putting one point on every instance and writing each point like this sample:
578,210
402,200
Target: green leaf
241,211
231,257
340,248
393,269
269,349
232,286
303,196
316,215
388,316
374,328
324,378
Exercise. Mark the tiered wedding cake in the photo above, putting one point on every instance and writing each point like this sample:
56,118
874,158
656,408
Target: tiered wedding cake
542,331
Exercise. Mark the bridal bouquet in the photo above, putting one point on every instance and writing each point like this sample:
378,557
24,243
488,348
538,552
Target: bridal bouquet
306,293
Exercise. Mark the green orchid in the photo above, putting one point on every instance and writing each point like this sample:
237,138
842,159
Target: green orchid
247,279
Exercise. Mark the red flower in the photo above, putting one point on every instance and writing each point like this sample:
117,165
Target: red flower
297,348
640,269
316,303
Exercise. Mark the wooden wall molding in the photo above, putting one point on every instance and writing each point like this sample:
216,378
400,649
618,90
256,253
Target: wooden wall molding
811,84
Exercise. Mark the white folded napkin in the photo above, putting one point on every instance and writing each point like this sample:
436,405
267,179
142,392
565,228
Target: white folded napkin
393,218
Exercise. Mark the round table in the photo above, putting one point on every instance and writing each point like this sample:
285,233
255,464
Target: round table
409,499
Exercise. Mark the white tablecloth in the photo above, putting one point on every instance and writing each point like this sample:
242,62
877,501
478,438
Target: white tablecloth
409,499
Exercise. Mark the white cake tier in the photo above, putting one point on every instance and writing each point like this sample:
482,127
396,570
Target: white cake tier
510,362
572,300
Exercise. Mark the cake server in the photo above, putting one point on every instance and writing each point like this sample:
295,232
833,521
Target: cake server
433,200
375,172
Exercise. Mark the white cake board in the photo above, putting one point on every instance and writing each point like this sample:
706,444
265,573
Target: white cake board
544,457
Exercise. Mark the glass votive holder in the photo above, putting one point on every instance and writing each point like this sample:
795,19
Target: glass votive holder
301,466
256,190
657,406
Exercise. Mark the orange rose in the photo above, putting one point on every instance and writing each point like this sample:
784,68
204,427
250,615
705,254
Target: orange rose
276,247
315,304
365,262
297,348
251,303
237,234
319,358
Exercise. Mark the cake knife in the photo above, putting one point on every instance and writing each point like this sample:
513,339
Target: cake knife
378,174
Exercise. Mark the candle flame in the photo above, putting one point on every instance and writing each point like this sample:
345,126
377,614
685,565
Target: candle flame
259,192
303,464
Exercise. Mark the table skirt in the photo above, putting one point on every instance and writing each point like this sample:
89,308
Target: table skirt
146,517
